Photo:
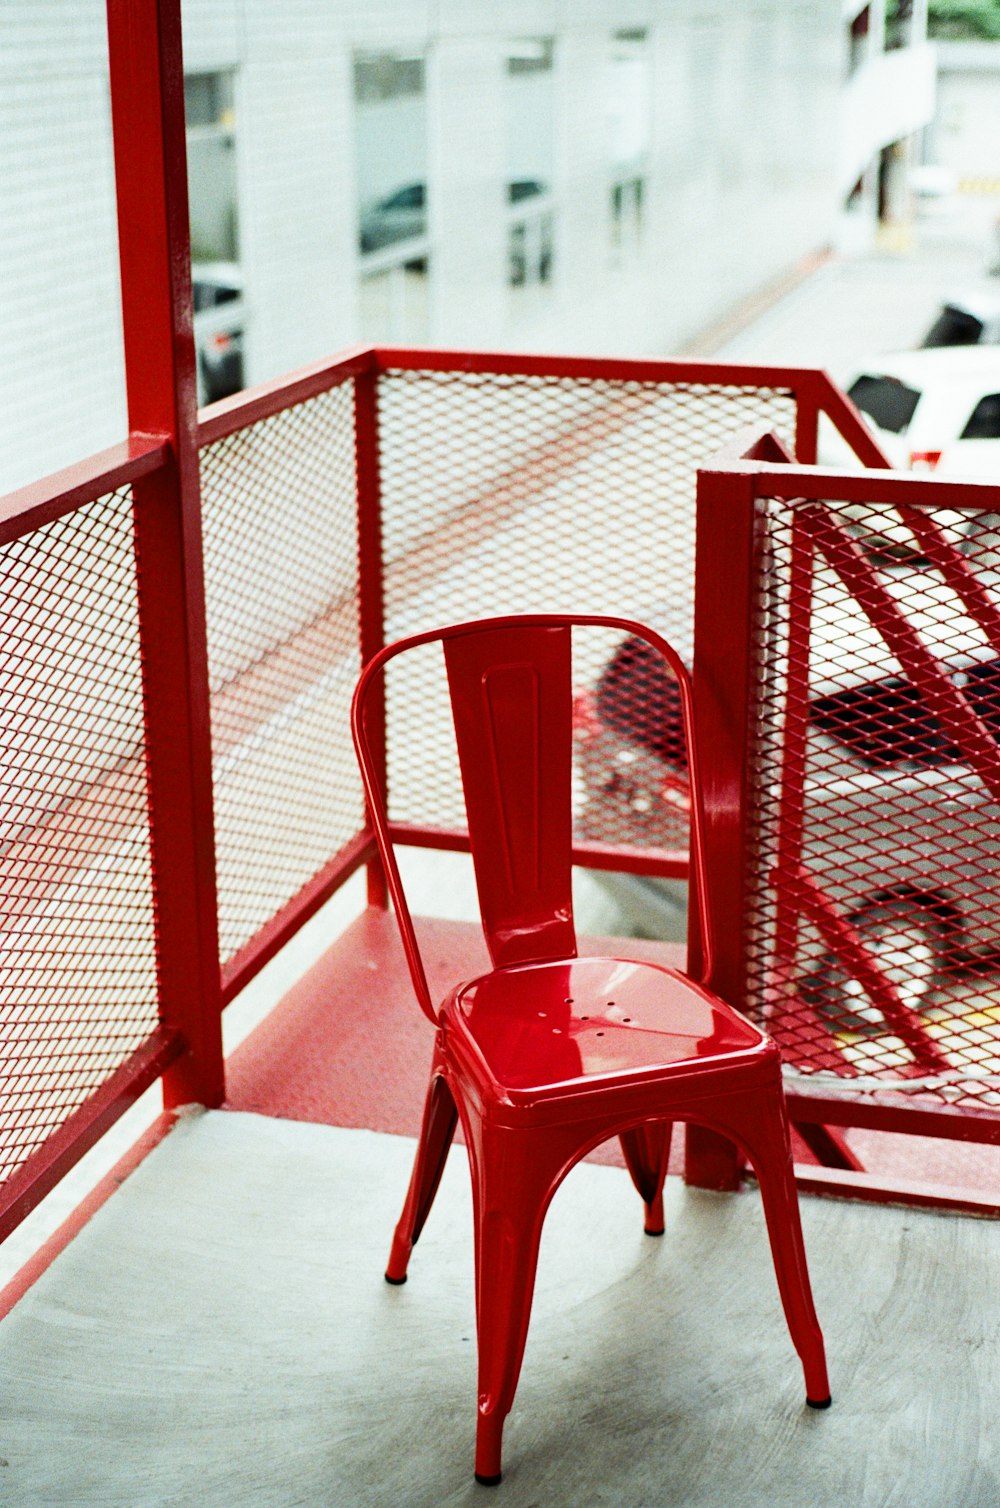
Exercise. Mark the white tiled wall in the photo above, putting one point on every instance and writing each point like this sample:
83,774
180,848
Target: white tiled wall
742,183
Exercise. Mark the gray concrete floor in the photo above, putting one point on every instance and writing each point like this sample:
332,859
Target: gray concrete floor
220,1334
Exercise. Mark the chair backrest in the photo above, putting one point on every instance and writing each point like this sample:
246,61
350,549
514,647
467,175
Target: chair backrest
510,686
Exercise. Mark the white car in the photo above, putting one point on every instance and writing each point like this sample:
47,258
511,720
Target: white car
219,317
930,410
971,318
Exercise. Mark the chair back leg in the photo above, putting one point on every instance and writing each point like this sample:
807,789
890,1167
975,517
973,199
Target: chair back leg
436,1133
647,1151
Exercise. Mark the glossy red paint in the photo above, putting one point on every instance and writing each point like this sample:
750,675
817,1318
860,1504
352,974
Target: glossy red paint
547,1054
726,559
147,98
34,506
371,578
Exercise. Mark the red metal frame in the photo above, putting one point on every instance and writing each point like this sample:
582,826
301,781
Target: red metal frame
159,462
744,475
147,92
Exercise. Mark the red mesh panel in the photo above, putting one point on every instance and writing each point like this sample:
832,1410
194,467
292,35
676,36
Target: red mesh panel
874,938
280,535
77,966
536,494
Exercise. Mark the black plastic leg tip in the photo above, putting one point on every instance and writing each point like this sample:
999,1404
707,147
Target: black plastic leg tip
397,1282
658,1232
489,1481
819,1403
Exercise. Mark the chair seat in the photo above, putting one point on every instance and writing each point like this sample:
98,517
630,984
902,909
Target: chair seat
547,1025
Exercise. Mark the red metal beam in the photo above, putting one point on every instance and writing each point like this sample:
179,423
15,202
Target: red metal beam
891,1110
849,422
670,863
53,496
147,106
87,1125
608,369
946,700
837,1184
371,584
727,553
822,484
227,417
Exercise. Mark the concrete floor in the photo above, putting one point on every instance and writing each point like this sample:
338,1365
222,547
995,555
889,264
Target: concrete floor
220,1334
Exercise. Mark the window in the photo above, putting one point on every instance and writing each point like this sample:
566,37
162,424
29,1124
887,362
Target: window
391,152
886,400
629,105
211,147
530,146
984,421
954,327
217,284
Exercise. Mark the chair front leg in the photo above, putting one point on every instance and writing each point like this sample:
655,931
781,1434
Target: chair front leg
758,1121
515,1179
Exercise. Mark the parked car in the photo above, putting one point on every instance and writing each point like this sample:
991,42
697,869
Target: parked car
932,410
889,806
402,216
219,316
399,216
967,319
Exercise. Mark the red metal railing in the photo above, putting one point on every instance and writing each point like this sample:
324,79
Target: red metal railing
855,811
372,493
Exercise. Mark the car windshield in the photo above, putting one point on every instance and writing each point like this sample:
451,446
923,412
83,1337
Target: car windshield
886,400
954,327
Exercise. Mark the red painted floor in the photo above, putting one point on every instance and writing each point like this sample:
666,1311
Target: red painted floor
349,1046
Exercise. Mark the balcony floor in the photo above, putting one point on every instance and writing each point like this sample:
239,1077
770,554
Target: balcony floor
220,1333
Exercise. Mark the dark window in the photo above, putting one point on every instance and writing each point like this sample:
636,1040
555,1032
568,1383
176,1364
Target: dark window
886,400
211,295
411,197
984,421
954,327
890,722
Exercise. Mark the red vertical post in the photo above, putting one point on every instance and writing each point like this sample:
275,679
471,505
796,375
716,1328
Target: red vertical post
147,104
371,581
726,557
791,809
807,422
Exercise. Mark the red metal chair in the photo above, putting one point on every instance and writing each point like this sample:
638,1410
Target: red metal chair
549,1054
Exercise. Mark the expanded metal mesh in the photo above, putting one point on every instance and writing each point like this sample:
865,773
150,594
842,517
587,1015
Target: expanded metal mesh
874,928
77,962
506,494
281,584
619,782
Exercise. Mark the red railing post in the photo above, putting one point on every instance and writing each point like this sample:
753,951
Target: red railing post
726,561
807,421
147,97
371,580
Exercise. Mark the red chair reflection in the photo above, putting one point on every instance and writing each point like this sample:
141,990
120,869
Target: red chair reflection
549,1053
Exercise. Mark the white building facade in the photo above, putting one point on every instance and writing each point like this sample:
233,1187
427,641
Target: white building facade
596,176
